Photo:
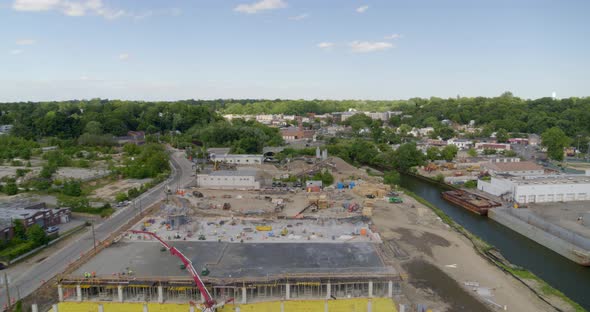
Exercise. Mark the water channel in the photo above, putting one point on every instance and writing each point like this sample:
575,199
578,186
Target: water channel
568,277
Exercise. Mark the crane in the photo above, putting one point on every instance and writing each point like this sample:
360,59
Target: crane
210,304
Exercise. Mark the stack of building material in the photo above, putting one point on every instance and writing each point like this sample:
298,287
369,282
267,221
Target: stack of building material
368,205
377,190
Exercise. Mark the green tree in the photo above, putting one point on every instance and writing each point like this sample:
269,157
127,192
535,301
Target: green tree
93,127
502,136
121,197
10,188
37,235
555,140
72,188
407,156
449,152
391,178
472,152
433,153
19,229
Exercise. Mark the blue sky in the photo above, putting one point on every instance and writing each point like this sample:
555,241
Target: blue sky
299,49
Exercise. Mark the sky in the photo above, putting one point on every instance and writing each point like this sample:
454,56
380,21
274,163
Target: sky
292,49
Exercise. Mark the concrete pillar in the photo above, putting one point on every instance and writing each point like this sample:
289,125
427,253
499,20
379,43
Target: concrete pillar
192,309
369,307
402,308
328,290
120,293
34,308
390,289
160,294
282,306
370,289
244,294
100,308
145,307
326,306
237,309
60,293
55,309
287,291
78,293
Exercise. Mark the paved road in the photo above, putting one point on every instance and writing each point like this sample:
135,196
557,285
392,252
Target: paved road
31,279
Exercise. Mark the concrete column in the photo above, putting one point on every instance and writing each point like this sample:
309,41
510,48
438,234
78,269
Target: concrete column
244,295
191,309
370,289
100,308
369,306
78,293
120,293
60,293
390,289
160,294
55,309
328,290
402,308
145,307
326,306
237,309
282,306
287,291
34,308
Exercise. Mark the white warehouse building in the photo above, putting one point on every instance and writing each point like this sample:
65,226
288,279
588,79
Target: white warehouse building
538,189
231,179
239,159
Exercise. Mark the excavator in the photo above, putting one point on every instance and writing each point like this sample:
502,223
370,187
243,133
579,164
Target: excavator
210,305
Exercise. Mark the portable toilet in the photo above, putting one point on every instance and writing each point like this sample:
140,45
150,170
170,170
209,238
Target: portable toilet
340,185
351,185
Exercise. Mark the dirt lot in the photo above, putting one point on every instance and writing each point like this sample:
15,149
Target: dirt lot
109,191
442,266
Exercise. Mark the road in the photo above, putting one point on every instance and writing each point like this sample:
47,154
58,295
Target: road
28,281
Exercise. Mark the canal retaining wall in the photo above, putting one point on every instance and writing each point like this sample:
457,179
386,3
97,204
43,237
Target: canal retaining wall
560,240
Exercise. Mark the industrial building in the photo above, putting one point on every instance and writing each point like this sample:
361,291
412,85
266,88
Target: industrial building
520,168
538,189
238,159
29,214
232,179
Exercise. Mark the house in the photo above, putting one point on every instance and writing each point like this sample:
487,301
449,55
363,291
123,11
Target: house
133,137
249,179
297,133
460,143
521,168
5,129
538,189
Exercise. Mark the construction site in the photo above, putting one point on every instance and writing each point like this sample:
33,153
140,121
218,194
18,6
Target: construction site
280,247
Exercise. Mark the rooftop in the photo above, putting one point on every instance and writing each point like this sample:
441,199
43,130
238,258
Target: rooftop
514,166
236,173
235,260
550,179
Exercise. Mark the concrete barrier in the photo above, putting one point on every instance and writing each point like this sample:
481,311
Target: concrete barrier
540,236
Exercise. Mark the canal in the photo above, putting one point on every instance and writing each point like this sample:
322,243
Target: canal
568,277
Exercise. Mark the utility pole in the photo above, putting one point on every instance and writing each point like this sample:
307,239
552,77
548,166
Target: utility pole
7,291
93,236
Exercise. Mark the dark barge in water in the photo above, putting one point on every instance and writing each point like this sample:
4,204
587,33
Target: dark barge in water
470,201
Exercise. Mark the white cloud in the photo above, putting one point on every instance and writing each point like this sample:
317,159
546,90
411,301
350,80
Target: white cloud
392,37
299,17
262,5
362,9
25,42
16,52
69,7
325,45
366,46
124,56
35,5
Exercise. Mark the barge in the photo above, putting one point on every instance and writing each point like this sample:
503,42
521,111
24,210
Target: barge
470,201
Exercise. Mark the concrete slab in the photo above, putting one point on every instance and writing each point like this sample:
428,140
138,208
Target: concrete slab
237,260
